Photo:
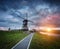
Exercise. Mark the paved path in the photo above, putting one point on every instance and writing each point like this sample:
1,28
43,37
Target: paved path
25,43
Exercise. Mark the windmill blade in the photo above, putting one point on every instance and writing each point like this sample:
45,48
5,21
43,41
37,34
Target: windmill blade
34,23
15,14
22,14
28,20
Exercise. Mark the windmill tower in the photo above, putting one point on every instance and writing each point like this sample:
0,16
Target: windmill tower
25,23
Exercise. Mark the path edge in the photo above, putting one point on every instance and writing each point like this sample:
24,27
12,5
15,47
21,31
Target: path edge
30,41
19,42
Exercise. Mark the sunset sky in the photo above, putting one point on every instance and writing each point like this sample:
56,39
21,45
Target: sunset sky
42,12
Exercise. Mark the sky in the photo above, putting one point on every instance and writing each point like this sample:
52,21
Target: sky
41,12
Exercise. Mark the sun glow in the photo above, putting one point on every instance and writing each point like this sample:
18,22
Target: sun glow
48,29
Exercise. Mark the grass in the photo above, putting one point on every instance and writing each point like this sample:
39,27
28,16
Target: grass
10,38
40,41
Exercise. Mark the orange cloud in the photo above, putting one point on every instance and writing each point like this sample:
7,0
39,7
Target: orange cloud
51,20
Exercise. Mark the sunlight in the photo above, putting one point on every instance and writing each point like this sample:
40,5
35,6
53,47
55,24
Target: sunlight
48,29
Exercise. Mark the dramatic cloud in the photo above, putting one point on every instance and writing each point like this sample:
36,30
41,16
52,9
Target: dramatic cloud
41,12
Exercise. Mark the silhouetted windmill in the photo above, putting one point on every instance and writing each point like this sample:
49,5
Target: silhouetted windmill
25,24
25,20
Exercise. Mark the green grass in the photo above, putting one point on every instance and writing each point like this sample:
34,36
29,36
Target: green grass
45,42
10,38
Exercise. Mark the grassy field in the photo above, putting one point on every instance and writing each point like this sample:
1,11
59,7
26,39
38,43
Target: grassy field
45,42
10,38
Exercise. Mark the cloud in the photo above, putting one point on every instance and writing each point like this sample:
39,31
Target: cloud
51,20
7,20
39,11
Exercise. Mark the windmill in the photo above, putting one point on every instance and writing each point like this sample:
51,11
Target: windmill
25,24
25,20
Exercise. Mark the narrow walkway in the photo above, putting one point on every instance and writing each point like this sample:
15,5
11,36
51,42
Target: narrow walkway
25,43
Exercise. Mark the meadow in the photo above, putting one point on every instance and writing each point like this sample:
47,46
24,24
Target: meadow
9,38
41,41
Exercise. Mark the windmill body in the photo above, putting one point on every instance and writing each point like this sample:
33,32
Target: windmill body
25,25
